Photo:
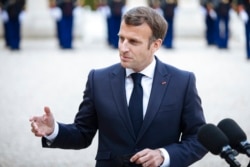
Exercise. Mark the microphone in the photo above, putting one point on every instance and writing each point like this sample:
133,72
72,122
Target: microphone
237,137
211,137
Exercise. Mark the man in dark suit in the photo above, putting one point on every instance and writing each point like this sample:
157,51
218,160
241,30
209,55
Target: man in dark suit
170,111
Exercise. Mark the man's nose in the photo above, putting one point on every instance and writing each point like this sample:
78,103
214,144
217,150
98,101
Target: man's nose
123,46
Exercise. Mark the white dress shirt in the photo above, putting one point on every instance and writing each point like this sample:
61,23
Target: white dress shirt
146,82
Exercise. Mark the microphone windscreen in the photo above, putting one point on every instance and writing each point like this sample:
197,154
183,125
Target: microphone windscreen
233,131
212,138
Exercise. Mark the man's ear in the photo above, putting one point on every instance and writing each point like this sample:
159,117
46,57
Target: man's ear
156,44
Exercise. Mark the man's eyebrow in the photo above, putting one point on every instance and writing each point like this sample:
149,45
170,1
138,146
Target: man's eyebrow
129,38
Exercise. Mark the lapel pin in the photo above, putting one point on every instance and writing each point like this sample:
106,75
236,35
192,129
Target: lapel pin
164,83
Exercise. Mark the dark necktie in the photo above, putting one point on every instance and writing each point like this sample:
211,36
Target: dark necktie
135,103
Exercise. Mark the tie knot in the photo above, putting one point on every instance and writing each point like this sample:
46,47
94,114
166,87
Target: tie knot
137,78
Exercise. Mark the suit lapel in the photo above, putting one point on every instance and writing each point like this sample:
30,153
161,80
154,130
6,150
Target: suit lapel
117,81
159,87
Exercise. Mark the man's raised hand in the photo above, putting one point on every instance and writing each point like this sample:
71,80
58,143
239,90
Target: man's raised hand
43,125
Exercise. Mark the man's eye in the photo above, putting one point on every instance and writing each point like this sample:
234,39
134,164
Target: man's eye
121,39
133,42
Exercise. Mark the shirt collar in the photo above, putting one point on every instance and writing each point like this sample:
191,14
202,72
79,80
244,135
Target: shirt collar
148,71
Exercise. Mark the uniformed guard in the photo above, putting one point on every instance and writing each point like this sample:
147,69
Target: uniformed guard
4,17
244,14
210,20
169,8
222,24
62,11
117,8
13,13
156,5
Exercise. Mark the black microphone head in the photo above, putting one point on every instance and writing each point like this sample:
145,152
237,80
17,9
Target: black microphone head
233,131
212,138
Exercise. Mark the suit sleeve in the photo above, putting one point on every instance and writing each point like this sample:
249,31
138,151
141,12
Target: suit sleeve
79,134
188,149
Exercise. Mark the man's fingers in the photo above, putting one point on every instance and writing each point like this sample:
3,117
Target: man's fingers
37,133
47,111
139,157
40,125
33,125
33,130
36,130
33,119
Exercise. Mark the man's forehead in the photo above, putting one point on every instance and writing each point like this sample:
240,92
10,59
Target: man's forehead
142,29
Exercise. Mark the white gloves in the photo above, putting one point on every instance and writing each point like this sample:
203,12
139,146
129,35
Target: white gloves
4,16
105,11
22,16
244,16
56,13
77,11
212,14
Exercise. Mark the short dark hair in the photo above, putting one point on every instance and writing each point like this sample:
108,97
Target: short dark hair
139,15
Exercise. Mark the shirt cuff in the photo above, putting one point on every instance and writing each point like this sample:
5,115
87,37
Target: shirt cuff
54,134
166,162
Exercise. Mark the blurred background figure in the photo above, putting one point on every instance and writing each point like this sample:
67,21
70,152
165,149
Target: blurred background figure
63,13
156,4
103,7
169,8
12,12
244,13
208,9
4,17
217,17
117,8
222,23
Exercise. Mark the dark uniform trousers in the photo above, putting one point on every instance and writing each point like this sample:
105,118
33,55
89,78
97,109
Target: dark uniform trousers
247,34
114,21
12,27
65,24
210,21
222,24
168,7
210,29
246,5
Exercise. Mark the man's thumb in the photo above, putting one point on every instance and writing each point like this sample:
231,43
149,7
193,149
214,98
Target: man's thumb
47,111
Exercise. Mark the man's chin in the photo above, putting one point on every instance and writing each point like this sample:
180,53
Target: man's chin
125,64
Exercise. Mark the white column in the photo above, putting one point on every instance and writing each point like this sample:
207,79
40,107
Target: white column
37,21
189,20
132,3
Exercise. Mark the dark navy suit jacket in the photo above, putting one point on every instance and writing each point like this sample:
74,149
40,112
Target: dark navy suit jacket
173,117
